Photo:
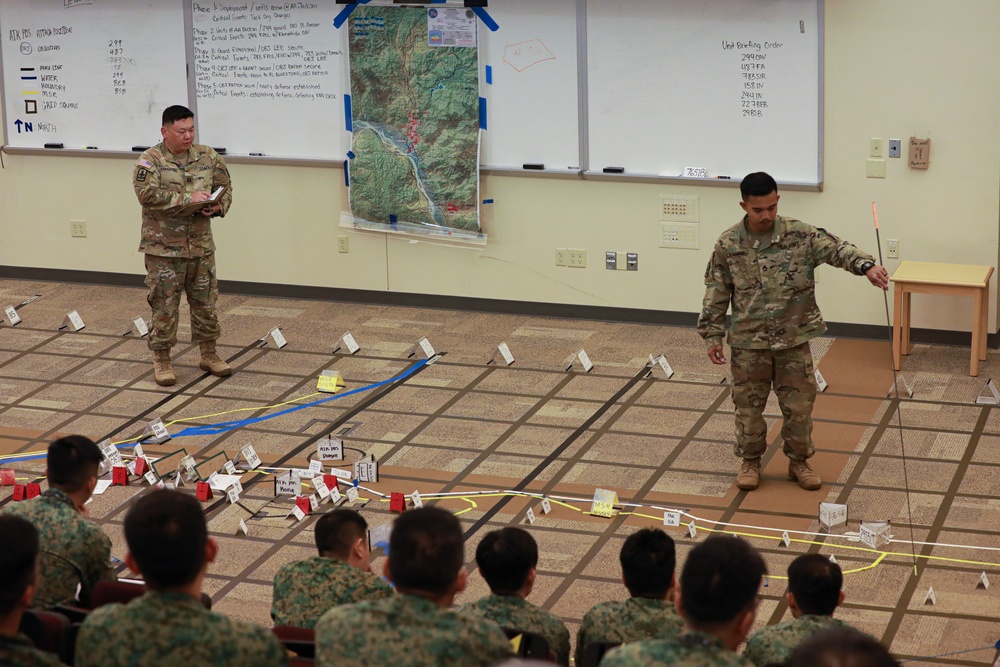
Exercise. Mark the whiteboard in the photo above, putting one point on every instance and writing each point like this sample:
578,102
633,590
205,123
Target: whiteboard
90,73
733,86
271,81
533,99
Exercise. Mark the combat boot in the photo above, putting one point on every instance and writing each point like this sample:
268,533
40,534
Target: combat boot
211,362
749,476
807,478
163,372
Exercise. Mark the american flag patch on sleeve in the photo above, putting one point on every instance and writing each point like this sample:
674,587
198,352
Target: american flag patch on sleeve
146,163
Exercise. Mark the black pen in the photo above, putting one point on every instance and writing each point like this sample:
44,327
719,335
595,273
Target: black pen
257,155
725,178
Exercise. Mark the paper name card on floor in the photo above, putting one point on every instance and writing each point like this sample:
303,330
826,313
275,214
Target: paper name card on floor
73,321
417,500
366,470
874,534
660,367
330,448
604,503
993,398
347,342
102,486
983,581
321,488
821,384
329,382
530,516
157,430
422,349
692,530
786,540
546,506
12,316
930,598
287,485
672,519
832,515
224,481
276,337
250,456
583,359
501,352
352,494
140,327
111,454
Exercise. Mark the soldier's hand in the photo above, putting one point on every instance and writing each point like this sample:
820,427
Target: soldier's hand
878,276
209,211
200,195
716,355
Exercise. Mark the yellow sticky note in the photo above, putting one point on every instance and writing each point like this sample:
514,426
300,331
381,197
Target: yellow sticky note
329,382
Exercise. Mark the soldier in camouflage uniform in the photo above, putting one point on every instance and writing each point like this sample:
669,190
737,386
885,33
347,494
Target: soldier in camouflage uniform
168,625
718,600
75,551
341,574
814,592
765,267
179,250
841,646
18,581
648,560
414,628
507,559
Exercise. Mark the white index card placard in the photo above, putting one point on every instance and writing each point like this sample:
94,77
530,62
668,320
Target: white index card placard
330,448
73,321
141,328
832,514
277,337
250,456
417,500
672,519
12,316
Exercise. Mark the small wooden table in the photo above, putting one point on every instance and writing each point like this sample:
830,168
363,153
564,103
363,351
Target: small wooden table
947,279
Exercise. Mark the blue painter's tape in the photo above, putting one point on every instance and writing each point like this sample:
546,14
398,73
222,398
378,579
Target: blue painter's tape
347,113
486,19
392,218
344,14
347,174
351,155
489,74
487,201
482,113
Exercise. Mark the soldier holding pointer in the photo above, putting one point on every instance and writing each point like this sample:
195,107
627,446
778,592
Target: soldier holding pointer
765,267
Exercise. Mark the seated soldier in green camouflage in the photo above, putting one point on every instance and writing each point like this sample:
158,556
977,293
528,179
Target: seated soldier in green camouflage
813,595
18,582
648,561
76,553
341,574
720,584
415,627
507,559
168,626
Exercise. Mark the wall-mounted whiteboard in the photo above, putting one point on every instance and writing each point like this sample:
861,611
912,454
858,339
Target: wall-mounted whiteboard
533,100
732,86
272,80
90,73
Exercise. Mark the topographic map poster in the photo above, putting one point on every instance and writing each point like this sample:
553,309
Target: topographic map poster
415,117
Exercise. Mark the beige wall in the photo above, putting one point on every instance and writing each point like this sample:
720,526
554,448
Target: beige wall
894,68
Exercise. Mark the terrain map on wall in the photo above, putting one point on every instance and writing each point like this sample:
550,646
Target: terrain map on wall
415,118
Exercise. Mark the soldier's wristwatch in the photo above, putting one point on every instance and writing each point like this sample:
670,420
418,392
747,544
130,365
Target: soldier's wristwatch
866,266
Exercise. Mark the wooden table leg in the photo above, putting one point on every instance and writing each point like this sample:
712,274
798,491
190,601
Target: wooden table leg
906,345
977,332
985,295
897,317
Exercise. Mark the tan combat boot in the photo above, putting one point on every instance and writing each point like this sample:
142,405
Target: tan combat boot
163,372
749,476
211,362
807,478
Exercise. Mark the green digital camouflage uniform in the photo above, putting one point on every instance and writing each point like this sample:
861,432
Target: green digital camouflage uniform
771,285
406,631
775,643
180,252
72,549
689,649
628,621
20,652
172,630
307,589
513,611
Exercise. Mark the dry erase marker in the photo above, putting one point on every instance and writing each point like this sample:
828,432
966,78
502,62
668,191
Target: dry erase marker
533,165
725,178
91,148
614,170
257,155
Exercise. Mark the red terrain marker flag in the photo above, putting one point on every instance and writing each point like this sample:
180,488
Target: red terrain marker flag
203,491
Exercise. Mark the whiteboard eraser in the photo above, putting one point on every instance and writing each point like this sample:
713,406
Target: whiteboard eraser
53,145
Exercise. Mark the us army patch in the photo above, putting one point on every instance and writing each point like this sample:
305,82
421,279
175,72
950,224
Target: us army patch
140,175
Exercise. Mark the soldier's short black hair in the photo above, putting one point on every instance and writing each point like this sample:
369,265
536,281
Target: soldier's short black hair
815,582
505,557
17,560
426,550
757,184
841,647
720,579
166,535
337,531
175,113
648,559
72,461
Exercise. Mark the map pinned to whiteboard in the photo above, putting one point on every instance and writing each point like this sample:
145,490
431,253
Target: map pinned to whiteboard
523,55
